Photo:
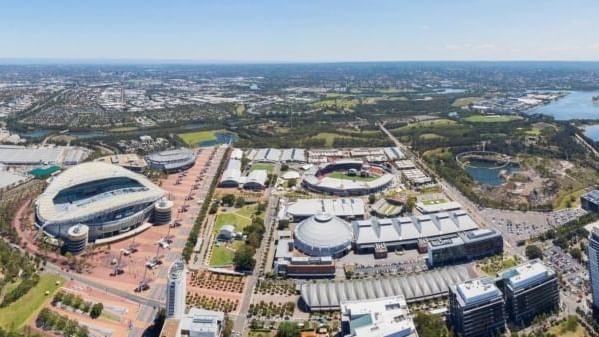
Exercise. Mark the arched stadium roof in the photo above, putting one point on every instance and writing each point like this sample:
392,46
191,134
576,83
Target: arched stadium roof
89,172
328,295
323,234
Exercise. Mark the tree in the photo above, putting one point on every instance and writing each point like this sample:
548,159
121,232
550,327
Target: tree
96,310
244,258
227,327
239,202
576,253
430,325
291,182
371,199
229,200
284,167
533,252
288,329
410,203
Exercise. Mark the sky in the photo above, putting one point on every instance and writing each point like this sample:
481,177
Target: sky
299,30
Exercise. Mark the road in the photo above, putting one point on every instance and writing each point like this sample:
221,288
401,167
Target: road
269,217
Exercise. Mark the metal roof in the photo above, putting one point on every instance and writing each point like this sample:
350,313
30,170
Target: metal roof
324,295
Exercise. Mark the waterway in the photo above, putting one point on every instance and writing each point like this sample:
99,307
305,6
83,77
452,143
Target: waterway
575,105
486,172
592,131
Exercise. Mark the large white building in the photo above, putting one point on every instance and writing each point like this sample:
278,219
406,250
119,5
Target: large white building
176,290
383,317
112,201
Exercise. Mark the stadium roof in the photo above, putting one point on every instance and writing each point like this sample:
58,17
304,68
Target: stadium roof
86,173
323,232
328,295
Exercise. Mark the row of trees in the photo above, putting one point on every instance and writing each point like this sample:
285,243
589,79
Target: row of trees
22,289
244,258
53,321
76,302
192,239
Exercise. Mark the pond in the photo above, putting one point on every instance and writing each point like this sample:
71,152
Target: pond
486,172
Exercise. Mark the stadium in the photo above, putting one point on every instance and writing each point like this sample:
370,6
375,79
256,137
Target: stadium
323,235
172,160
346,178
110,200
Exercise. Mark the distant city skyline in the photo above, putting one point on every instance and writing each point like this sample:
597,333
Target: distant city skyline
240,31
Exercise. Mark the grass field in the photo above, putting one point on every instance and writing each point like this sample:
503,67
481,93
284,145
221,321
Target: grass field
329,137
533,131
343,175
20,312
491,119
342,103
432,123
464,102
562,201
123,129
239,221
563,330
194,138
262,166
222,255
430,136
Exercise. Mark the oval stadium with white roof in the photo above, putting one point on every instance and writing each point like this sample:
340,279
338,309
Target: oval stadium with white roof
108,199
172,160
323,235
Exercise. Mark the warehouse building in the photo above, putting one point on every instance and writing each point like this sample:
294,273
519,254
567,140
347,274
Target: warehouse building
328,295
405,232
346,208
256,180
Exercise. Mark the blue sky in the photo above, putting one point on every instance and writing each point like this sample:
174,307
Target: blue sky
300,30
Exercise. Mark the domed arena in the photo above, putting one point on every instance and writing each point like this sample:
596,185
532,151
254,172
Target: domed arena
323,235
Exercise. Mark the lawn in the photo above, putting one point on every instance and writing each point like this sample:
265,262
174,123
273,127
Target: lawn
341,103
329,137
223,254
343,175
562,201
464,102
534,131
430,136
123,129
194,138
247,211
262,166
491,118
239,221
20,312
568,328
431,123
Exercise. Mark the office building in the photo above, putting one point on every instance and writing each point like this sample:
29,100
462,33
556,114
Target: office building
590,201
593,254
476,308
529,289
384,317
176,290
464,246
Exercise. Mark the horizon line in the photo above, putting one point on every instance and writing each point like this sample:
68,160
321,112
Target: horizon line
149,61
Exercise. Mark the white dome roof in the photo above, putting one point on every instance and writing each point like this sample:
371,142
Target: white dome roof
323,234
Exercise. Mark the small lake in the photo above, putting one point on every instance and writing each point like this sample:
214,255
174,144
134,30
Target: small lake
486,172
575,105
